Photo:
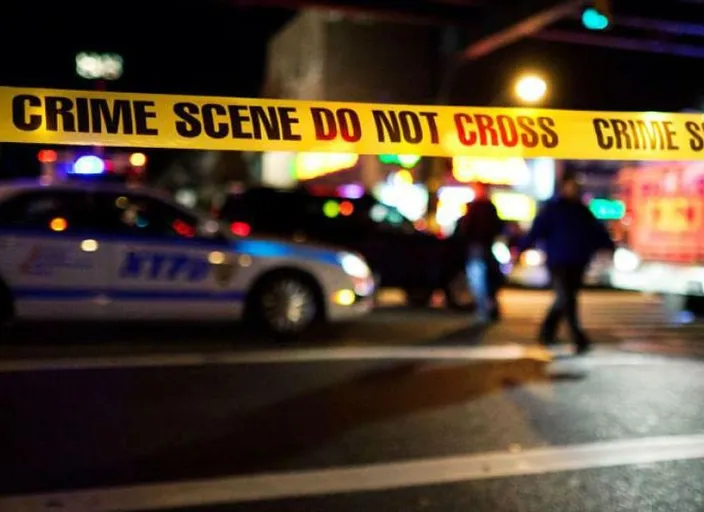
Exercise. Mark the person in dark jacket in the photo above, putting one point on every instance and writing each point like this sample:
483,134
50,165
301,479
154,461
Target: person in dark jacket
571,236
478,230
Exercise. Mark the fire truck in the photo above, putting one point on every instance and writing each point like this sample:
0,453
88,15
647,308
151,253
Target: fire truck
662,232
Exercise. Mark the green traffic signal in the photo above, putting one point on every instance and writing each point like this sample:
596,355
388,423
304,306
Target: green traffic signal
594,20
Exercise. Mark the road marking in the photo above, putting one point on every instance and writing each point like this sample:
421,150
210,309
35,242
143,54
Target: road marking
374,477
508,352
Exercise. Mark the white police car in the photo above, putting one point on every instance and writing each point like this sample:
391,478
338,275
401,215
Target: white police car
97,251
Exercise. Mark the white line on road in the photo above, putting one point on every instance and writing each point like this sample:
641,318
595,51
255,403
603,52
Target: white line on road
375,477
508,352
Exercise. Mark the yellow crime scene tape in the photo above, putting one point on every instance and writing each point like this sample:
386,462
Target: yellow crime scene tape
47,116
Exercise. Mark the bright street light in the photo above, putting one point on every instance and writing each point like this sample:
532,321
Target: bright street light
97,66
531,88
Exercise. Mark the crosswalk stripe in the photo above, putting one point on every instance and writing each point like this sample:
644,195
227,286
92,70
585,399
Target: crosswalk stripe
373,477
505,352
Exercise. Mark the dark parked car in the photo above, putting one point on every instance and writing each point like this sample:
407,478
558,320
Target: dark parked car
400,255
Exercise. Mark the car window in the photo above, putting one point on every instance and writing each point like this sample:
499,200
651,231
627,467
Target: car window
47,210
267,211
335,219
390,219
143,215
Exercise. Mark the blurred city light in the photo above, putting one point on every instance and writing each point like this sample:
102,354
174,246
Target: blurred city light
138,159
89,164
607,209
506,171
514,206
625,260
346,208
240,229
331,209
89,245
406,161
313,165
531,88
351,191
47,156
533,258
97,66
403,177
58,224
501,252
594,20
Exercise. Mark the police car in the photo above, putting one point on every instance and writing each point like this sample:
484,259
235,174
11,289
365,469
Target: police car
101,251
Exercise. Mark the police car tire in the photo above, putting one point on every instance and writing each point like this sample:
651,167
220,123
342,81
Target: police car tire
273,284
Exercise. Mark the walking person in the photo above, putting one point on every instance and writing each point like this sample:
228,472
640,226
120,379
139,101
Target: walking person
478,230
571,236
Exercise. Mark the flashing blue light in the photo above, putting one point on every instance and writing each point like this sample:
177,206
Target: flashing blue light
594,20
89,165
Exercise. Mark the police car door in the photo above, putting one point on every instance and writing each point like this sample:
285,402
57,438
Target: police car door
48,255
166,269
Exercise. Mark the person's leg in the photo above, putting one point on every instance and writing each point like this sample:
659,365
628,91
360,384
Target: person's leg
548,329
494,281
476,275
574,278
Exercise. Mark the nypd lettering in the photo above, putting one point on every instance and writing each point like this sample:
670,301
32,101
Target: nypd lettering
163,266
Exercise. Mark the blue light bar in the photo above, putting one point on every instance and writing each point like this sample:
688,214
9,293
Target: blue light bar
89,165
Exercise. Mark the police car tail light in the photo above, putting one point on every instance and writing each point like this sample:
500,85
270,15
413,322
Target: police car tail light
354,266
240,229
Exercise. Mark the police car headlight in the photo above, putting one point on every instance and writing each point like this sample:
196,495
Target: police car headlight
354,266
625,260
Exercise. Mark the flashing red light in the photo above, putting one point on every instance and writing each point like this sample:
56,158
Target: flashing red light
47,156
240,228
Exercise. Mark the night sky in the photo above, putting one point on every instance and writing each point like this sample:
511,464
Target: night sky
221,51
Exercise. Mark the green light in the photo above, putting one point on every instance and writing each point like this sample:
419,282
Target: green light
331,209
406,161
607,209
594,20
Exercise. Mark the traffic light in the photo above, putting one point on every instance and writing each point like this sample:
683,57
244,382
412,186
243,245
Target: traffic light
597,17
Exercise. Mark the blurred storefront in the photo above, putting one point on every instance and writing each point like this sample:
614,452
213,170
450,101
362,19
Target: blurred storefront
517,186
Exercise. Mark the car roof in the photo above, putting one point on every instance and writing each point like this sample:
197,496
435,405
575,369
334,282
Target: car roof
298,192
64,185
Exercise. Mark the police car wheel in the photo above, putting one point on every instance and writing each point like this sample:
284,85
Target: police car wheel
287,305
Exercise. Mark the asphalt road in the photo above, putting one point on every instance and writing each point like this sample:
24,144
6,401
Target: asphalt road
408,410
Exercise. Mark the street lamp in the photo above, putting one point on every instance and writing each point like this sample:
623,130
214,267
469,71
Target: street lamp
530,88
99,66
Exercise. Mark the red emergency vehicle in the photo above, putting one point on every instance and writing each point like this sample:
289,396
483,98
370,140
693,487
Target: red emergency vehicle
662,233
